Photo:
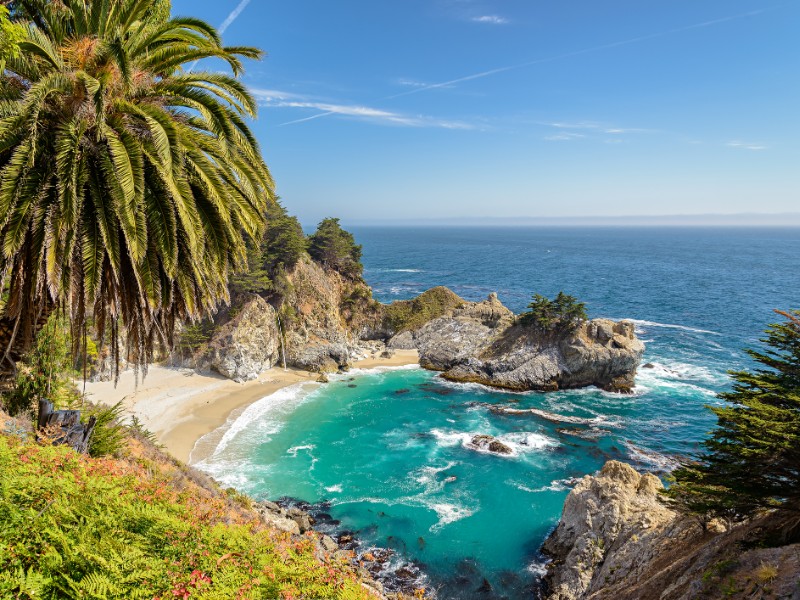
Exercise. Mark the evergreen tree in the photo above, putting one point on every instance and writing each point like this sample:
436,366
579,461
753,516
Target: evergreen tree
562,314
284,243
752,459
336,249
277,252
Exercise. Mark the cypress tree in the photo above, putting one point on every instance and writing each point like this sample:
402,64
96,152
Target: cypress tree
336,248
752,459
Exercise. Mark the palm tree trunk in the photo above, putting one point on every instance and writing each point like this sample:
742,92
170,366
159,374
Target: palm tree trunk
14,344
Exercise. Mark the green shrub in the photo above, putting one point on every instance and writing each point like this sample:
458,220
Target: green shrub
406,315
45,371
77,527
193,337
109,435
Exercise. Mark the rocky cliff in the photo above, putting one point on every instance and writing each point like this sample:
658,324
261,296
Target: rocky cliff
321,321
316,323
325,316
248,344
617,540
483,342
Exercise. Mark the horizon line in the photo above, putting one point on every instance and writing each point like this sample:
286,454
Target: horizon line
743,219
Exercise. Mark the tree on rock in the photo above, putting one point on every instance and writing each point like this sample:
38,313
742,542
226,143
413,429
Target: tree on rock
562,314
752,459
336,248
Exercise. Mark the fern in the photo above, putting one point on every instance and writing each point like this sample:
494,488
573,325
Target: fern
72,526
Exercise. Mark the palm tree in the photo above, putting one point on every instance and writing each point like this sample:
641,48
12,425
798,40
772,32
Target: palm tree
127,182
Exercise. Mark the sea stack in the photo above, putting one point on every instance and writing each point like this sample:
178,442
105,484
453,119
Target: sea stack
484,342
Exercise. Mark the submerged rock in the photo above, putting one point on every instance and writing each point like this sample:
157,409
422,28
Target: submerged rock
489,443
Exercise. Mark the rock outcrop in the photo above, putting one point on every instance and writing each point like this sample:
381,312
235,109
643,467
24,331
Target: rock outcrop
248,344
326,316
483,342
616,539
489,443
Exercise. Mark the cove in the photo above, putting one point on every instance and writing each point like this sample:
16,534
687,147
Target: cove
387,451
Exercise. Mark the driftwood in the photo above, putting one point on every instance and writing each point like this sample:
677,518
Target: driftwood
65,426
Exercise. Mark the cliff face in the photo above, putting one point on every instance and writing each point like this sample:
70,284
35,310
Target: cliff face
482,342
318,325
616,540
325,316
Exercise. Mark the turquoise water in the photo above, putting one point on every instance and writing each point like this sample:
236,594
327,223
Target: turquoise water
388,453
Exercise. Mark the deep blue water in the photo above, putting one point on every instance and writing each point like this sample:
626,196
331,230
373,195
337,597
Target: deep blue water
388,450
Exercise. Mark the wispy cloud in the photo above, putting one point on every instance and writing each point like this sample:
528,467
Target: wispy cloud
233,16
747,145
564,137
490,19
592,127
411,83
583,51
280,99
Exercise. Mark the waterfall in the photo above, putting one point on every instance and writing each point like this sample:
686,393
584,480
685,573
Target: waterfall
280,338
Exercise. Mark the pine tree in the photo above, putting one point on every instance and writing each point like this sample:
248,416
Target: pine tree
752,459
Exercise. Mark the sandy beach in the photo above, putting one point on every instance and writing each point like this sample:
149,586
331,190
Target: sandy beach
180,405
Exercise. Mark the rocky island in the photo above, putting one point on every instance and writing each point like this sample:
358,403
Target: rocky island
484,342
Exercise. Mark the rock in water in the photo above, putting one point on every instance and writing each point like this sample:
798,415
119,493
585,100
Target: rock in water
489,443
484,343
248,344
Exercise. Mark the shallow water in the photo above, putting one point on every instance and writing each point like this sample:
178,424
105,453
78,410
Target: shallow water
389,449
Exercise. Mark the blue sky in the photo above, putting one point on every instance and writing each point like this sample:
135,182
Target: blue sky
415,109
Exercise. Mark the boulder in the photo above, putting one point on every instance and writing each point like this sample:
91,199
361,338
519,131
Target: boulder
489,443
612,525
617,539
274,516
248,344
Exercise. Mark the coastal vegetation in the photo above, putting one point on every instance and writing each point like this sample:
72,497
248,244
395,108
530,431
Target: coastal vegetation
268,259
405,315
336,249
560,315
751,460
128,183
142,526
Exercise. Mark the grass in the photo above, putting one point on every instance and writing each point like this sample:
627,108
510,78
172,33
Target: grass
406,315
72,526
766,573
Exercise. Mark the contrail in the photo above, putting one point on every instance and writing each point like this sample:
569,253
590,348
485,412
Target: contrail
233,16
548,59
539,61
226,23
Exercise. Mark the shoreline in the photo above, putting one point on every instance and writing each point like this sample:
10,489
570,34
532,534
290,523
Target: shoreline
181,406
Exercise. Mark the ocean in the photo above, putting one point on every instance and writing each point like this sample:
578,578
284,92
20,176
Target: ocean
384,453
